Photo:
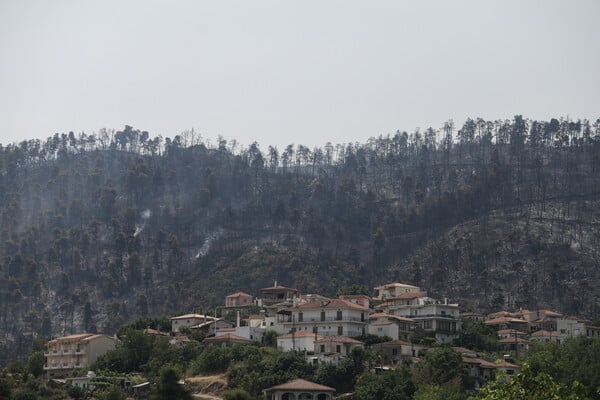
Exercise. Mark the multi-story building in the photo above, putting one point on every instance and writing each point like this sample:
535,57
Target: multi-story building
329,317
67,353
432,317
439,318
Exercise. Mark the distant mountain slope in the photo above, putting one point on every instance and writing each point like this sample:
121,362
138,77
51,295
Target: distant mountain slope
519,258
98,229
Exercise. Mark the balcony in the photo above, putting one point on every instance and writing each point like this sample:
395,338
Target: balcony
331,319
446,316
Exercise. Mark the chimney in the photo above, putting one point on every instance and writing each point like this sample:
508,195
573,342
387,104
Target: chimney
237,320
275,284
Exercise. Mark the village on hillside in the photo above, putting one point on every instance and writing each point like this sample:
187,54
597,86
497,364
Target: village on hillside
405,320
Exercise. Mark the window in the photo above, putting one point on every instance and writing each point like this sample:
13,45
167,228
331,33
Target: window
362,317
338,348
394,352
315,329
339,315
340,330
322,315
300,317
322,348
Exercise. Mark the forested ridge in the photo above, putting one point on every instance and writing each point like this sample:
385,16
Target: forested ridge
98,229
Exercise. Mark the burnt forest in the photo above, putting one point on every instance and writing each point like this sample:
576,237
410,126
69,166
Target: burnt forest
98,229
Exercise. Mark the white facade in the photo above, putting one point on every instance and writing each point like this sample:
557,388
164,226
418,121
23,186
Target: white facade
432,316
568,328
248,332
328,318
299,341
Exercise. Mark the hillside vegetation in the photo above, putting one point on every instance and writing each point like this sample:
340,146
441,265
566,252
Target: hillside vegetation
98,229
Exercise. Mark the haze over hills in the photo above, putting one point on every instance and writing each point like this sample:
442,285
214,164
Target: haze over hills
99,229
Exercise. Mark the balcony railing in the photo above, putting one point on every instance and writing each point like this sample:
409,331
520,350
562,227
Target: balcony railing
431,316
330,319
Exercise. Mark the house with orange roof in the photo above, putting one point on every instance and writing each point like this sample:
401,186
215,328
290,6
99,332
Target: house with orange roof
329,317
239,299
332,349
359,299
67,353
472,317
508,323
253,333
480,369
298,389
546,336
277,294
501,314
484,371
510,333
226,340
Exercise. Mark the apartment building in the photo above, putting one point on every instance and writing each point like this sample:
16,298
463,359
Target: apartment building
67,353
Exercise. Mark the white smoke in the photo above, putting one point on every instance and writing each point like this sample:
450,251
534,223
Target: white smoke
207,243
146,214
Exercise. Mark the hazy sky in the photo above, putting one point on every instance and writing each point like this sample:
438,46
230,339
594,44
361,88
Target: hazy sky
282,72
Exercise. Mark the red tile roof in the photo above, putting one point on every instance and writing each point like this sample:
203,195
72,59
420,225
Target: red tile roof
478,361
504,320
227,337
301,384
277,288
81,337
505,364
335,303
238,294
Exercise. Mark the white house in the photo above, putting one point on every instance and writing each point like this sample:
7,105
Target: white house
298,341
431,316
393,326
329,317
